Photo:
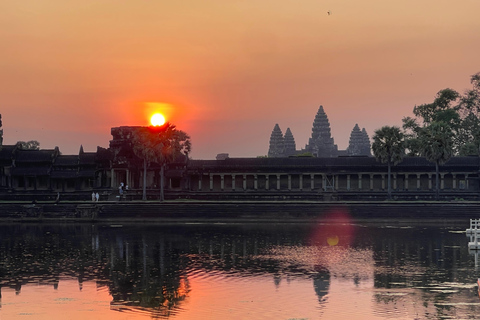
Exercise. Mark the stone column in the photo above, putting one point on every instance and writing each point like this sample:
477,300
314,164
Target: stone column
233,182
359,181
211,182
442,181
222,182
244,182
200,182
395,181
371,182
312,181
418,181
348,182
454,181
128,183
429,181
466,181
335,184
289,182
406,181
300,179
113,180
267,181
383,181
255,181
278,182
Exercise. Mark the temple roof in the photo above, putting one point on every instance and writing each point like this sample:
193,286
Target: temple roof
87,158
45,155
67,160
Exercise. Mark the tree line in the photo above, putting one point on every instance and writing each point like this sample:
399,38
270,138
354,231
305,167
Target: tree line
448,126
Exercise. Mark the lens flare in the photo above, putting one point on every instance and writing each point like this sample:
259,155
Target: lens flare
334,229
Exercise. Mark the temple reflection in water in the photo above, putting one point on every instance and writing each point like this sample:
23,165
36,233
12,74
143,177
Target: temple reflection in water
155,268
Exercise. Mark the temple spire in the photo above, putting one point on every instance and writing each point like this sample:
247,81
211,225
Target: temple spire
276,147
289,144
359,144
321,143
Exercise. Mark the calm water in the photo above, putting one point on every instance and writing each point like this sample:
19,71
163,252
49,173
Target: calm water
345,270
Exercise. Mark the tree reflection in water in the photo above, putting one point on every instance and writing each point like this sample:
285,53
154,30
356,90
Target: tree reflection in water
150,268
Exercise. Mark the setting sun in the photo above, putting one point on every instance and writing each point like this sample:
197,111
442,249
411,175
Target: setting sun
157,119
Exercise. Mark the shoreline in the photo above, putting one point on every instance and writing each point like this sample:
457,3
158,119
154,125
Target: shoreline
192,211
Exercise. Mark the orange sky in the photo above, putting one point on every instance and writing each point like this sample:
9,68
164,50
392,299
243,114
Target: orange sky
226,71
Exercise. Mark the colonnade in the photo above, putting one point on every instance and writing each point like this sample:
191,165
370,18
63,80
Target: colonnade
365,181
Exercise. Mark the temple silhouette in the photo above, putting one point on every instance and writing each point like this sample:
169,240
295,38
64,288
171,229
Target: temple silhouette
318,172
321,143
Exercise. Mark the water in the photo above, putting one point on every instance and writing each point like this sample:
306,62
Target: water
345,270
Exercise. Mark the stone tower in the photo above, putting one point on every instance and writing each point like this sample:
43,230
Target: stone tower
359,144
276,147
321,143
366,146
289,144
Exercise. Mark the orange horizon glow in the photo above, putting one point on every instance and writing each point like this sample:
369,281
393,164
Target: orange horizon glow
263,66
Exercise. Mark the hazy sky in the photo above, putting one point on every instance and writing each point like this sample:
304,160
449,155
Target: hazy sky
226,71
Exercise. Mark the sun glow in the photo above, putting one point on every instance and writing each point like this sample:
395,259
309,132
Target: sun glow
157,119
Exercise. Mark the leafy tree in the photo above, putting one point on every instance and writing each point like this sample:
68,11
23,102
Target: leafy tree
389,147
469,149
436,141
440,109
469,110
445,109
411,130
160,145
28,145
460,112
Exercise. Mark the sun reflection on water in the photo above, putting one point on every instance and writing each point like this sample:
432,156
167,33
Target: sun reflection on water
339,261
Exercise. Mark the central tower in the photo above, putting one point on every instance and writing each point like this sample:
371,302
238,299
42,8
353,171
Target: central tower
321,143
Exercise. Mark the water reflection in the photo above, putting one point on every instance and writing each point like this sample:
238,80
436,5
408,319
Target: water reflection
225,271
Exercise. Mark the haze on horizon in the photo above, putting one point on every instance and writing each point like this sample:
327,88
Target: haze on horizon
226,72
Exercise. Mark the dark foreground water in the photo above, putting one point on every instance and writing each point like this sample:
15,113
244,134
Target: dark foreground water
343,270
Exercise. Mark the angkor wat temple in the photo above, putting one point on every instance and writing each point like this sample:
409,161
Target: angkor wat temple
320,144
46,174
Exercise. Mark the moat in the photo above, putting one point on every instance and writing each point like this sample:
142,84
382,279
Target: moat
341,268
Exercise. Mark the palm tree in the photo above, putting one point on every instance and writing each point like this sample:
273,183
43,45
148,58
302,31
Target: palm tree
437,146
389,147
161,145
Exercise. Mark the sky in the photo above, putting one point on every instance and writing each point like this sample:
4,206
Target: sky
226,72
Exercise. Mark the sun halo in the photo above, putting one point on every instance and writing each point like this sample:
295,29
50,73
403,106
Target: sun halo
157,119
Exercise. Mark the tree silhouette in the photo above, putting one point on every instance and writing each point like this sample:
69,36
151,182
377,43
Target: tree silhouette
160,145
28,145
389,147
437,146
